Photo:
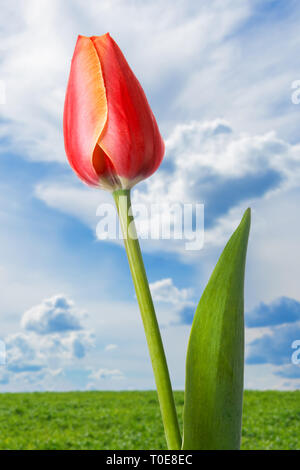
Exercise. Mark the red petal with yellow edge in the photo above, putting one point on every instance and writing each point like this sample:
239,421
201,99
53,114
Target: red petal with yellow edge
131,137
85,112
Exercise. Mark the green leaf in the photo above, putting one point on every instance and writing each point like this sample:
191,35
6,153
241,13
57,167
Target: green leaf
215,358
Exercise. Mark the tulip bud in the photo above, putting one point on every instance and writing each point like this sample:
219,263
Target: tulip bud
111,136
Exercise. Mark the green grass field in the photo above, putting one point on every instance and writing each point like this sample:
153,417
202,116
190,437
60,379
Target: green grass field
131,420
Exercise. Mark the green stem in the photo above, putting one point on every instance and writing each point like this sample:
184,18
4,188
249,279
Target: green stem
155,345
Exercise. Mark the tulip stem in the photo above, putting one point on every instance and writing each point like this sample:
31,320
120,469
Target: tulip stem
155,345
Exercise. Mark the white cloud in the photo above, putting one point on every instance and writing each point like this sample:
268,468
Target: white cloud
78,201
101,374
55,314
2,352
21,354
53,339
179,301
214,144
29,352
111,347
204,155
165,291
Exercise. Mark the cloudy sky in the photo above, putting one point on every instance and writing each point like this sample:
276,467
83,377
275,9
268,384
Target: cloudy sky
221,77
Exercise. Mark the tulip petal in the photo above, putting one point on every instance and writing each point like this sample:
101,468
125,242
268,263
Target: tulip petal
85,112
103,166
131,138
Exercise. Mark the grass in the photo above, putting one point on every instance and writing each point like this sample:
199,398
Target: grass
131,420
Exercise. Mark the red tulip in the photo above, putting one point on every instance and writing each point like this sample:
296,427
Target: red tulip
111,136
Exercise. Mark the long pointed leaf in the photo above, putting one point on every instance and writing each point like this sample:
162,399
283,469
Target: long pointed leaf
215,357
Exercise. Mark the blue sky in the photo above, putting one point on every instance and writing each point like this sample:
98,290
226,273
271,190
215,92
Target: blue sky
218,75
